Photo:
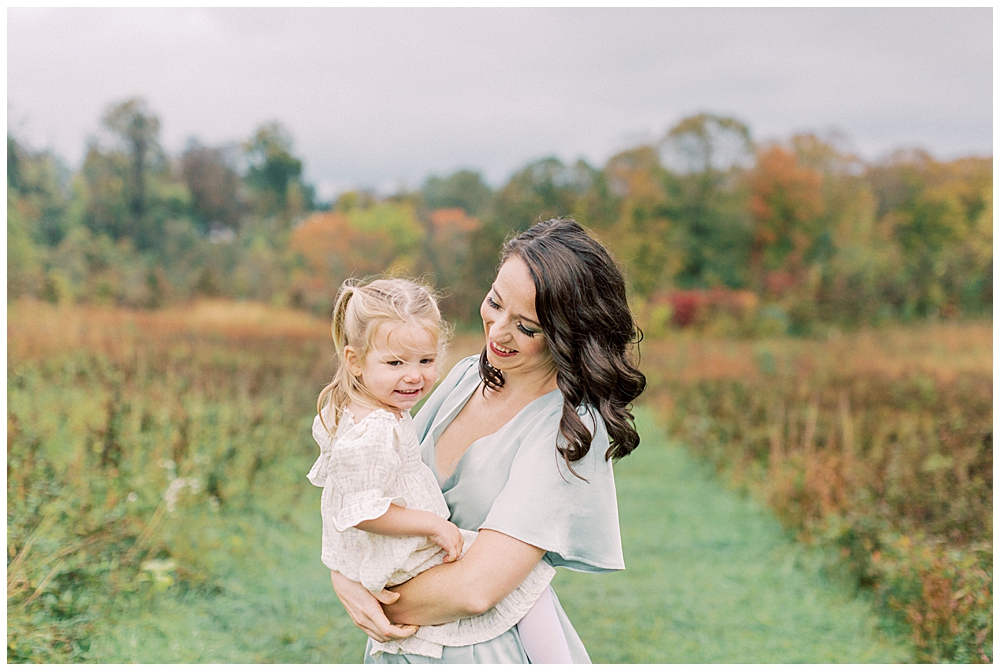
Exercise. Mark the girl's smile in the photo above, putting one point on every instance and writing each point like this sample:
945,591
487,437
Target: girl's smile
402,368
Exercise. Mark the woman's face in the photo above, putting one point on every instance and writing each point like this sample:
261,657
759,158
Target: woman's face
514,338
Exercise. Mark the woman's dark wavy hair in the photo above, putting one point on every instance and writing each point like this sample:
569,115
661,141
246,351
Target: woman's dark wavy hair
583,311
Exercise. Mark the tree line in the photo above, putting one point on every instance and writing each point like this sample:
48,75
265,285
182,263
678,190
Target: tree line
712,228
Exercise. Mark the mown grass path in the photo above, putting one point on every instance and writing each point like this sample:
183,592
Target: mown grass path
711,578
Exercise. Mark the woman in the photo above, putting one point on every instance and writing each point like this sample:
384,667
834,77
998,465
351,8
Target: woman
521,442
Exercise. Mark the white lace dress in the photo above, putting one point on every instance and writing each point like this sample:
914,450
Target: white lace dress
365,467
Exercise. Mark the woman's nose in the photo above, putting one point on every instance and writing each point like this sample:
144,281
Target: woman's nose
497,330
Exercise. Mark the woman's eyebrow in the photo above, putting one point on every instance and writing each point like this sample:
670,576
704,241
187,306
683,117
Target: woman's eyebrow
527,319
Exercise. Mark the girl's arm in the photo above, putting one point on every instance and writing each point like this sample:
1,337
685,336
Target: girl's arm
490,570
400,521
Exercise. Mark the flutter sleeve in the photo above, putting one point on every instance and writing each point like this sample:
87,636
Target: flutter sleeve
435,403
362,464
544,504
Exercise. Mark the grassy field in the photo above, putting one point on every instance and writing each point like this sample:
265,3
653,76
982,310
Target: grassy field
157,511
711,578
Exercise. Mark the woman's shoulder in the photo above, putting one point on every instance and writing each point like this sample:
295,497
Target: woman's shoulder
550,409
462,370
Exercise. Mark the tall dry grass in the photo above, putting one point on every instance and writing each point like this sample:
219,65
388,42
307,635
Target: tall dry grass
878,443
124,426
127,428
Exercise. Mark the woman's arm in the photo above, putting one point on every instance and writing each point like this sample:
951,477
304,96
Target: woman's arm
490,570
400,521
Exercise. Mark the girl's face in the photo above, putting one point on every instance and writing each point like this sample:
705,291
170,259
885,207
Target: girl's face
402,366
514,338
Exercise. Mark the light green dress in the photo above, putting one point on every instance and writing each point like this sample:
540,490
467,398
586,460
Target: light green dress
515,482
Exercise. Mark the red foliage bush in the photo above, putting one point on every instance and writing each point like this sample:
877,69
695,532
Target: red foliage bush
698,306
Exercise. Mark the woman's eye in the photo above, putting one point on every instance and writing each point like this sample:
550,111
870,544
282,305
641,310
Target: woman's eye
527,332
492,303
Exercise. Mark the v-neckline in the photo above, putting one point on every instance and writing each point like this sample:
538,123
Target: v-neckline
437,430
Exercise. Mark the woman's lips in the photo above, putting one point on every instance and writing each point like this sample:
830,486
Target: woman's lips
501,353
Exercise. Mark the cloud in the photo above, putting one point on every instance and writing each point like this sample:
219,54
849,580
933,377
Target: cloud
388,96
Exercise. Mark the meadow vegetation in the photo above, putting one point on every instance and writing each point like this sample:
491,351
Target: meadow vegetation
157,511
122,429
877,444
147,450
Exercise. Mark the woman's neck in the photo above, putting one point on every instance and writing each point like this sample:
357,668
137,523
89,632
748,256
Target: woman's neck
531,384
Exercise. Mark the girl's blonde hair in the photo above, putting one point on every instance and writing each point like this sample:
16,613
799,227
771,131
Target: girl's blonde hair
361,307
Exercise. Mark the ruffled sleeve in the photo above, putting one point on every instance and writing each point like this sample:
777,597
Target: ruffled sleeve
544,504
360,466
320,468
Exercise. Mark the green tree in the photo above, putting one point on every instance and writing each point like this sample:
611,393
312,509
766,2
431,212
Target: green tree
857,262
214,184
464,188
541,190
642,236
705,154
130,189
274,175
39,182
139,129
24,258
933,211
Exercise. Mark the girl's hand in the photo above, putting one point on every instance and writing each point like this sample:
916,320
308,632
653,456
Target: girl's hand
450,539
365,609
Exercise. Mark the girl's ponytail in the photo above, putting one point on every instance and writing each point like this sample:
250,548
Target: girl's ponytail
340,315
335,394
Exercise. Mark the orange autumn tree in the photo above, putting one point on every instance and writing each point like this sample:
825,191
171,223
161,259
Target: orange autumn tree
447,260
333,246
786,202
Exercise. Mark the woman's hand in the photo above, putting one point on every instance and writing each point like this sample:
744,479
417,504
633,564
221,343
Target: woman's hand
366,611
450,539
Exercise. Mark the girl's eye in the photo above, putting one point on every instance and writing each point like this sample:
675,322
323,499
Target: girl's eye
492,303
427,361
394,363
527,332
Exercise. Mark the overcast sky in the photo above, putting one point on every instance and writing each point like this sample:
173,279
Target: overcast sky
385,97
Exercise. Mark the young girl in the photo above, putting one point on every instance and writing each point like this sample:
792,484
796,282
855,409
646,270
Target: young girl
384,517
